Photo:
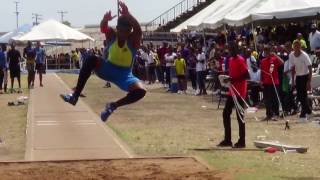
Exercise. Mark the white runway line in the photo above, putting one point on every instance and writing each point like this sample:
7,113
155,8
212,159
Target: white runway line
52,124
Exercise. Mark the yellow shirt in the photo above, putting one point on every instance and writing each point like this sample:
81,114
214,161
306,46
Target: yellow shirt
180,66
122,57
156,58
75,57
302,42
255,54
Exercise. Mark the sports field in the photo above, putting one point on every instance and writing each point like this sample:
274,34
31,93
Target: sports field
165,124
13,120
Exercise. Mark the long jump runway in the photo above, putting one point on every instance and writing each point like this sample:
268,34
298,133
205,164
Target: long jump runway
59,131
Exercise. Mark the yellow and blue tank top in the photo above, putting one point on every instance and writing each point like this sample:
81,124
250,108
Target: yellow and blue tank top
122,57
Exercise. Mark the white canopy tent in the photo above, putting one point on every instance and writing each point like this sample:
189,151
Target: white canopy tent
215,20
53,30
200,16
6,38
254,10
287,9
240,12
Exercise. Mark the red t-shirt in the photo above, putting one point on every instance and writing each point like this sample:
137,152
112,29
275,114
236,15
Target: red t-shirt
220,60
266,70
161,52
237,68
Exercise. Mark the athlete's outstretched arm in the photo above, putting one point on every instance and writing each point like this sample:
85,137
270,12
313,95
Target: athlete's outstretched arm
137,32
104,27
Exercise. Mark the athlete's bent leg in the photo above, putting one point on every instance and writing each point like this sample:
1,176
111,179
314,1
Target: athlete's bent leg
136,92
88,66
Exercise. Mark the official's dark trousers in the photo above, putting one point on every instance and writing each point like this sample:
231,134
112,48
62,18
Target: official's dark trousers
271,100
227,111
302,94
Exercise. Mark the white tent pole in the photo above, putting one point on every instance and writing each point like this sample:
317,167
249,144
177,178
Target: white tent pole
69,51
46,59
204,37
70,61
57,60
226,34
254,36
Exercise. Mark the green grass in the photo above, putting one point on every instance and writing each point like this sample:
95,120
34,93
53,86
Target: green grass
13,120
170,124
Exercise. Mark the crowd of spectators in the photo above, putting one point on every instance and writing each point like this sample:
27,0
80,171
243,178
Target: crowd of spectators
205,58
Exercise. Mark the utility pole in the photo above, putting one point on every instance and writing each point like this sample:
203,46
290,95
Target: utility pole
37,17
62,15
17,12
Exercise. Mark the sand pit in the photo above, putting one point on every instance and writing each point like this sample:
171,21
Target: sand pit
151,168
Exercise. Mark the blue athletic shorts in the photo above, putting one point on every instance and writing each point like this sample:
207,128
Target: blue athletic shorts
120,76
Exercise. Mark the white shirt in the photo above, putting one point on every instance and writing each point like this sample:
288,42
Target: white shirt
249,64
300,63
144,56
150,58
254,76
314,39
201,62
170,59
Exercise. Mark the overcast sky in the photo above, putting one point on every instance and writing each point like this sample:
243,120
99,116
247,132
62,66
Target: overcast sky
80,12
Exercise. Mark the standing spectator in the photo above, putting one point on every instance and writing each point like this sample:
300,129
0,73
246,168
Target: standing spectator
161,54
14,59
78,58
212,52
140,68
30,54
40,61
254,73
5,67
314,38
185,51
302,41
238,73
3,62
218,62
201,72
290,106
144,57
169,57
181,67
157,65
270,80
284,55
192,62
75,59
300,65
151,66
